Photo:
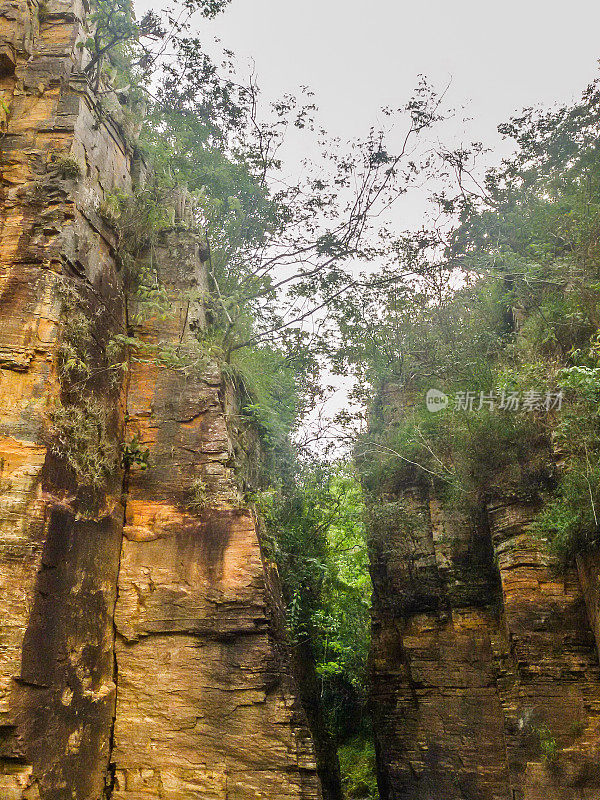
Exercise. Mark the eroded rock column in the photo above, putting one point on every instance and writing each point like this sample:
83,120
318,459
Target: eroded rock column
549,680
205,708
437,711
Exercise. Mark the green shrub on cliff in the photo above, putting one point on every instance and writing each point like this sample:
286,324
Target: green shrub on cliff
570,517
80,437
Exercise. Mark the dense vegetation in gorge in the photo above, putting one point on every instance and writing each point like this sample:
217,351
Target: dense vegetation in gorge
523,324
500,297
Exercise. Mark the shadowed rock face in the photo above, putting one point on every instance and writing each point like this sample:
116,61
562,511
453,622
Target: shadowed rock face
140,653
482,656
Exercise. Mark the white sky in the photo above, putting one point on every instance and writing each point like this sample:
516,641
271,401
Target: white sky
501,55
498,55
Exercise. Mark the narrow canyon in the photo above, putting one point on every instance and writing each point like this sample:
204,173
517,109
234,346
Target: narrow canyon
144,653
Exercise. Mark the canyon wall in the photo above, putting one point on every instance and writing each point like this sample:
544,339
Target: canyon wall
141,645
141,653
485,672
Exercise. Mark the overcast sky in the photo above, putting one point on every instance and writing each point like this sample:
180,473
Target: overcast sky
497,57
358,56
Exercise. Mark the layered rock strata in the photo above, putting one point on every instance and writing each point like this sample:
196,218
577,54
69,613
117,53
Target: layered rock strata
139,654
485,671
204,706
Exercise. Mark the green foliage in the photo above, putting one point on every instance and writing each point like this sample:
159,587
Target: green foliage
198,496
549,748
113,26
68,168
235,209
467,455
91,368
139,218
133,455
275,390
569,519
276,257
316,522
80,437
83,357
73,351
357,765
269,385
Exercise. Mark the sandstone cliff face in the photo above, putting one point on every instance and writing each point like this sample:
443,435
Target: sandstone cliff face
485,670
139,650
204,706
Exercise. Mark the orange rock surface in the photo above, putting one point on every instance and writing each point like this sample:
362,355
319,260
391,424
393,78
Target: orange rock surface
139,653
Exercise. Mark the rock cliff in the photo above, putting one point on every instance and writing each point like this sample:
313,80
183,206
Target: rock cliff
140,650
484,664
